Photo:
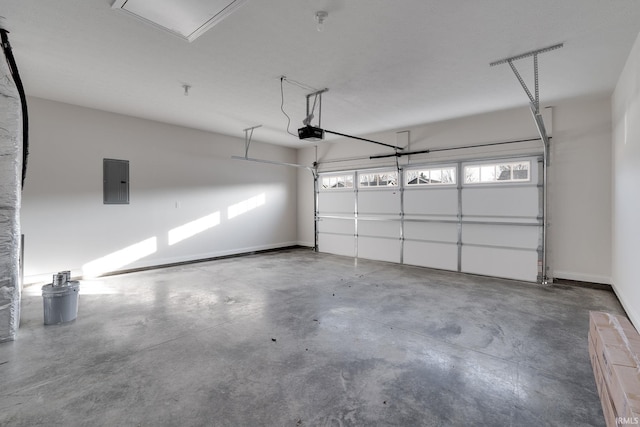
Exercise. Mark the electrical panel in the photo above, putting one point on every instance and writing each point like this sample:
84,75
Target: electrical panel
115,182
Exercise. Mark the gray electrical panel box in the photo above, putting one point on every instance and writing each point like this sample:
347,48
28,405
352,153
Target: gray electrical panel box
115,182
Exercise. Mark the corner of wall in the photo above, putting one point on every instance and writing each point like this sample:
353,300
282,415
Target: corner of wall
626,185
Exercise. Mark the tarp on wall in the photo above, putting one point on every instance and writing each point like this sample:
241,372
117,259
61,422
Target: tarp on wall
10,193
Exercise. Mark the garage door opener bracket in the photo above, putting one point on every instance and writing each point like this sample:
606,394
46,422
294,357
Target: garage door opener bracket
314,133
248,134
534,100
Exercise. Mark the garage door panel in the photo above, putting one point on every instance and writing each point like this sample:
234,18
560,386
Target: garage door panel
431,201
431,218
336,244
338,202
433,255
501,201
499,227
434,231
516,236
379,202
389,229
379,249
498,262
339,226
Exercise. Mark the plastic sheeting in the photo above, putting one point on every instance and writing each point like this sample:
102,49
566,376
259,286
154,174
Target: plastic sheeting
10,193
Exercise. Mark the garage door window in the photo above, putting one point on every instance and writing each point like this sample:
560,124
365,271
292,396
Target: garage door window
336,182
433,176
497,173
379,179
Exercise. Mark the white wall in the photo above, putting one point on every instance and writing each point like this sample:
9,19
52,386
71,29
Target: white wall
305,226
580,190
626,186
579,203
177,176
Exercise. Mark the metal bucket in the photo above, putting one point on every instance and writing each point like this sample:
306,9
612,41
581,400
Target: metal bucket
60,302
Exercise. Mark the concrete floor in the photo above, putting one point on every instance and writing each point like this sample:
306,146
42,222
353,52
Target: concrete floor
295,338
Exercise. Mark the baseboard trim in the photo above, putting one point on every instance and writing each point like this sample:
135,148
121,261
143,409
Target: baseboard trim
582,284
199,260
580,277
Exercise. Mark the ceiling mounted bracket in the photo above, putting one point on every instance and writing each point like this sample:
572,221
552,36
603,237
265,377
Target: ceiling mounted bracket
317,100
313,133
535,99
248,134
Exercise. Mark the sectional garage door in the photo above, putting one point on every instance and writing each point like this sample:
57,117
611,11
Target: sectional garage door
481,217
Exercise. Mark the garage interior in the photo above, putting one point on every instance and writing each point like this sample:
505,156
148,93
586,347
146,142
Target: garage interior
431,259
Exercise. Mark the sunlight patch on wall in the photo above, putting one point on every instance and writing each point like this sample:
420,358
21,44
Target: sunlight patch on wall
192,228
118,259
246,206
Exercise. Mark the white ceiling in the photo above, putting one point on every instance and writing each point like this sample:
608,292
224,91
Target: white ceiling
388,64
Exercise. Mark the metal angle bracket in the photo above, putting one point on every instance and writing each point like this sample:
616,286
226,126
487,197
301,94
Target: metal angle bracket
273,162
534,98
317,98
248,134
